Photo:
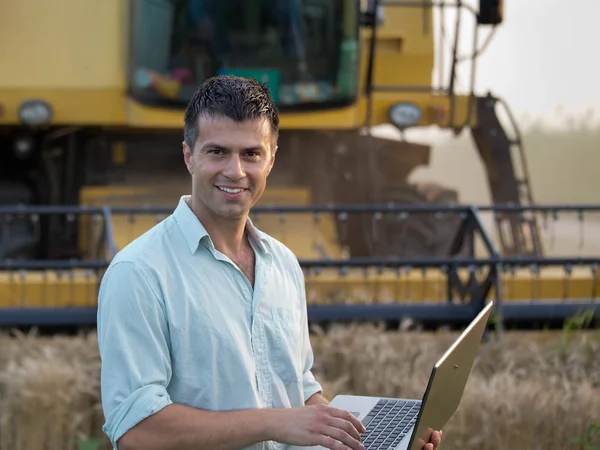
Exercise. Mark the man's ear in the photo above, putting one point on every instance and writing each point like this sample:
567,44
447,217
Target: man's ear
187,157
272,161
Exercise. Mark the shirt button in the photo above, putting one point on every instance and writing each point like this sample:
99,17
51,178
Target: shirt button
259,351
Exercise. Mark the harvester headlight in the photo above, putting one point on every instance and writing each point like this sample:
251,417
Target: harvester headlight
405,115
35,112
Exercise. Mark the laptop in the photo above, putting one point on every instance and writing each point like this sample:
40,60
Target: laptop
407,424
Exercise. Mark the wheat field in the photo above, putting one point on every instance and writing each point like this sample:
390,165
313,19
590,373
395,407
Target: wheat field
527,391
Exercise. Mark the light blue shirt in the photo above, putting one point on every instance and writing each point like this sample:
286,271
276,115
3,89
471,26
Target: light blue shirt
178,322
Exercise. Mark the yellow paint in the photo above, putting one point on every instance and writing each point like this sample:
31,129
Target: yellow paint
79,288
73,54
142,116
309,240
107,107
48,290
90,228
111,108
63,44
75,106
329,286
292,196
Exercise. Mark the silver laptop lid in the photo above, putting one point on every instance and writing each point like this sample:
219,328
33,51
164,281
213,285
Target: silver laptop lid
448,380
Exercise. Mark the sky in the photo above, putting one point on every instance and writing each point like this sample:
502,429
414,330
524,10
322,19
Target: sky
543,56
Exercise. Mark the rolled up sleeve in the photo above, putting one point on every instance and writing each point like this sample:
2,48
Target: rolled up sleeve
310,384
134,349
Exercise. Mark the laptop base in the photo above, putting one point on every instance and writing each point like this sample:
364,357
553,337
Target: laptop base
377,414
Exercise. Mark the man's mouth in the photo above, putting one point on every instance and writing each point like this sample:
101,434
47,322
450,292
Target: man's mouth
231,190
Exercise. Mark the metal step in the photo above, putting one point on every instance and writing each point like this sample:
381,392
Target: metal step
518,233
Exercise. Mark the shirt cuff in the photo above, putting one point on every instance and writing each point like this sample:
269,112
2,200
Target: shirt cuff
311,386
142,403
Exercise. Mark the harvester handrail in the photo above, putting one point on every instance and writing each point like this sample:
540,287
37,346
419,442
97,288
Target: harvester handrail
394,263
49,209
457,261
541,208
343,208
52,264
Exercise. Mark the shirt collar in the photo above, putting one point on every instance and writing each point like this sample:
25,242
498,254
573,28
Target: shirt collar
193,230
257,236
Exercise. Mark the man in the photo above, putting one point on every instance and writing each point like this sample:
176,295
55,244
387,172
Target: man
202,322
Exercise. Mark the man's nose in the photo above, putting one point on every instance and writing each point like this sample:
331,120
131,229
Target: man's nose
234,168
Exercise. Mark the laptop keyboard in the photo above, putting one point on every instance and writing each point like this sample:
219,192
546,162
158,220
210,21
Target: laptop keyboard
388,423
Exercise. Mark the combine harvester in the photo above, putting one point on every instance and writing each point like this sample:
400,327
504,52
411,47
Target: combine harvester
92,95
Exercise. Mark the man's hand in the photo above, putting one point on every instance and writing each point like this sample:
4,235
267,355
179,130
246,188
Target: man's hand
323,425
434,441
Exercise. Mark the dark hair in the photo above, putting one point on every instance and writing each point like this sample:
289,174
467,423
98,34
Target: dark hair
230,96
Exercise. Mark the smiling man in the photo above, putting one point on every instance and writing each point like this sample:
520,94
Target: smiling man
202,321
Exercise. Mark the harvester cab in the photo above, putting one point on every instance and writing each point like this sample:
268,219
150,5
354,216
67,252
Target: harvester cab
91,131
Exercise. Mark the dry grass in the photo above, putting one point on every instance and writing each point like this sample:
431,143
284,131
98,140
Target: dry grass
49,392
534,391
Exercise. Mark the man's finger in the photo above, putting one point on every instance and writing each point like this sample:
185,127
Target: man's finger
346,426
334,439
343,414
356,422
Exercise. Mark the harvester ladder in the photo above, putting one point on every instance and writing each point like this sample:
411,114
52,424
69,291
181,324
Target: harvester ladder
509,182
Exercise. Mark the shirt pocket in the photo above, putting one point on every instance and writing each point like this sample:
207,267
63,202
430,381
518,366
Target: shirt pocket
287,343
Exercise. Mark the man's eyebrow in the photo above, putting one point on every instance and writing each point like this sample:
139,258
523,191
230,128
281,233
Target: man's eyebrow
215,146
212,146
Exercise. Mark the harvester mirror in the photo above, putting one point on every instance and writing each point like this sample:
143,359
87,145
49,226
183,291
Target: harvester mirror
491,12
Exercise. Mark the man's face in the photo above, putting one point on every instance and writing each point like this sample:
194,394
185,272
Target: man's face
229,165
